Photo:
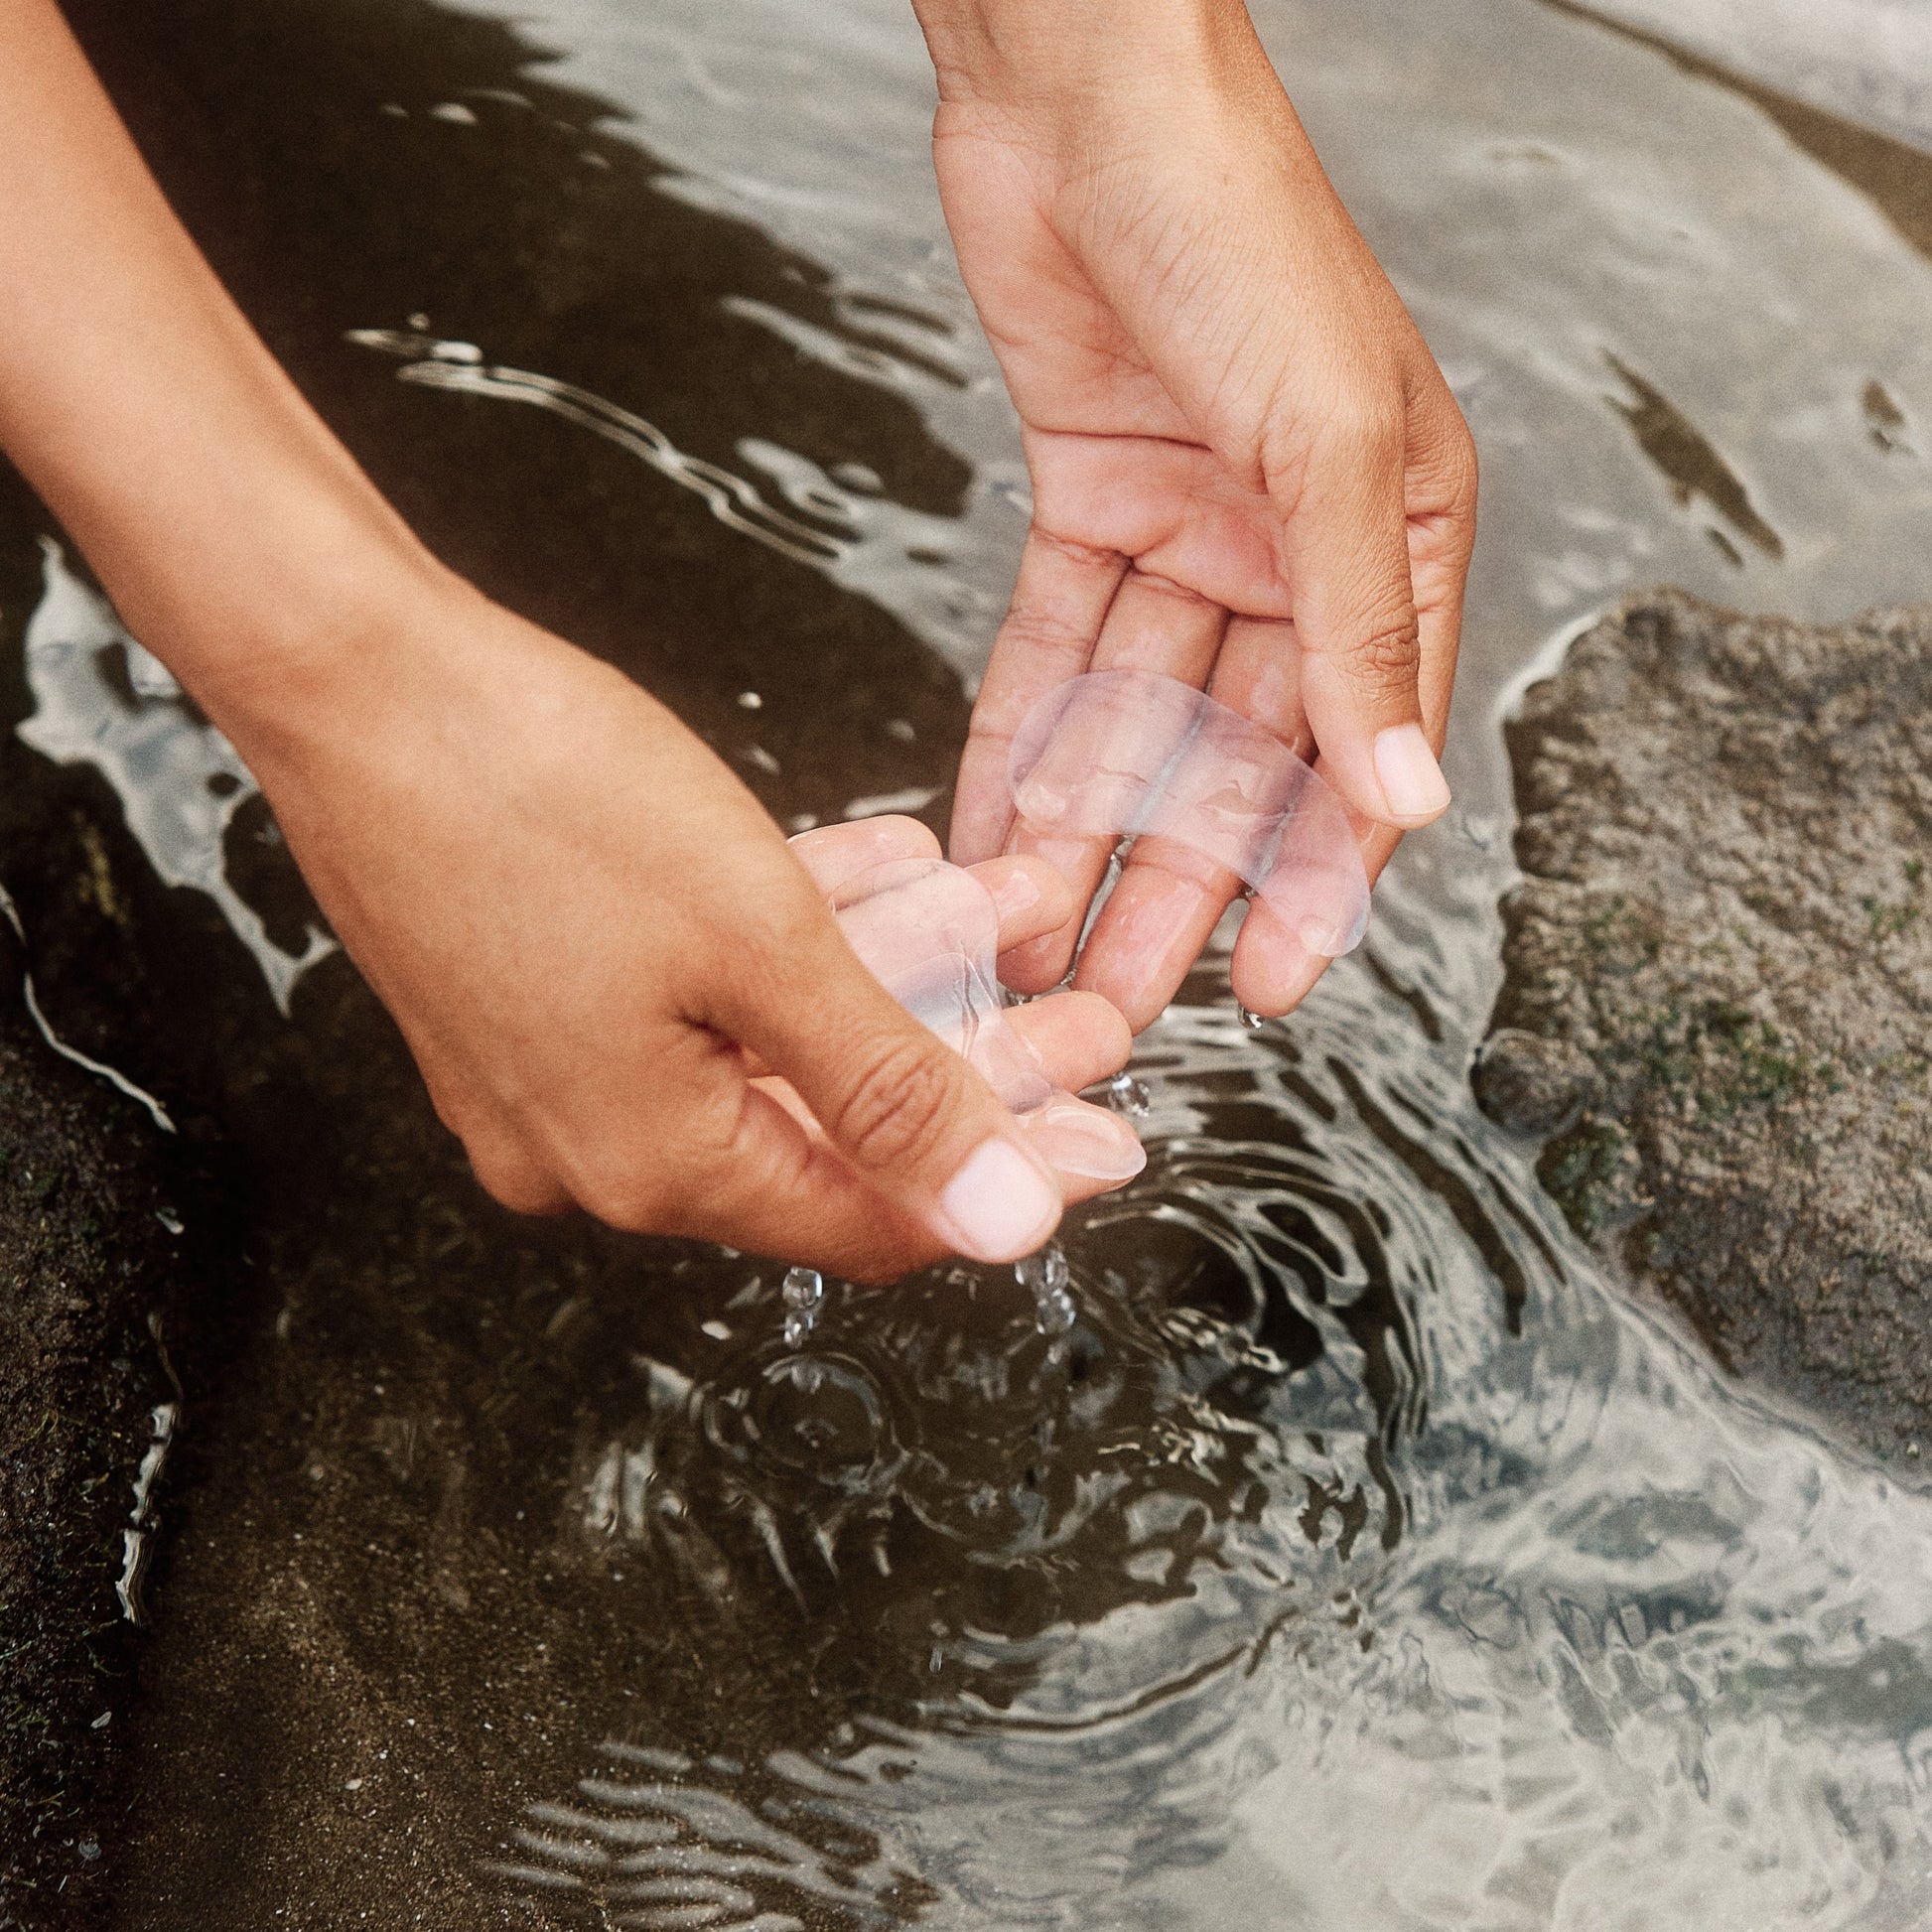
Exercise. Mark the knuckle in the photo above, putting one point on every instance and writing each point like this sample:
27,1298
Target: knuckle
1387,653
897,1109
1371,419
1462,471
626,1199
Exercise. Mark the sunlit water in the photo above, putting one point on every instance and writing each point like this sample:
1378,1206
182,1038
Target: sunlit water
1332,1547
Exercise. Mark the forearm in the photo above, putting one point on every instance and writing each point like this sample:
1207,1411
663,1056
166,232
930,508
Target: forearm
229,526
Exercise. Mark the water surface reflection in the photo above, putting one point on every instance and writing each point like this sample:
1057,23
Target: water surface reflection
1356,1557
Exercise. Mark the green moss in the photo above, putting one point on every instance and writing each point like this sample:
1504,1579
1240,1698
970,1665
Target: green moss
1715,1051
1619,930
1888,922
1580,1171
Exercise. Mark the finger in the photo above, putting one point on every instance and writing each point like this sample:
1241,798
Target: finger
1441,536
1029,897
915,1121
1345,547
832,854
1028,894
1075,1040
1089,1149
1152,626
1272,971
1170,899
1058,604
906,915
1080,1038
1259,674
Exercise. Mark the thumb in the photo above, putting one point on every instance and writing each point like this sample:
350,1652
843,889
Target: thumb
1346,548
915,1120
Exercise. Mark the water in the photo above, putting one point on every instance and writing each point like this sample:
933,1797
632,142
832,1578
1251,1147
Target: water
1354,1556
802,1291
1045,1276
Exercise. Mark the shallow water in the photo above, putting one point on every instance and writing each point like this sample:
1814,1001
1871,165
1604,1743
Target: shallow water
1357,1558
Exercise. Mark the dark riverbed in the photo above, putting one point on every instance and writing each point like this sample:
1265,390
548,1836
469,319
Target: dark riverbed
1362,1559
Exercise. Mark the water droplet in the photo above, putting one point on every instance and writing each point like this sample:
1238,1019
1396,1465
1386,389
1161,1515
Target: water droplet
1044,1277
803,1292
1126,1095
1252,1020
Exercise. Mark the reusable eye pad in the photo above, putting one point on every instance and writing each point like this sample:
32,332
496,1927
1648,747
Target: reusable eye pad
1120,753
930,933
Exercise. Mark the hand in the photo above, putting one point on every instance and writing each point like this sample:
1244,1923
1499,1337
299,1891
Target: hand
595,942
1247,470
592,937
1066,1041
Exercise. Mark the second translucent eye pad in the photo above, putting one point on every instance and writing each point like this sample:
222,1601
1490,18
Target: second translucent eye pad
1130,753
930,933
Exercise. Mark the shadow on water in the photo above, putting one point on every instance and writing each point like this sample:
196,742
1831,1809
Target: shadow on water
499,208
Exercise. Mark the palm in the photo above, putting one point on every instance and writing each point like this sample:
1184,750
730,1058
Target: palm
1158,364
1118,463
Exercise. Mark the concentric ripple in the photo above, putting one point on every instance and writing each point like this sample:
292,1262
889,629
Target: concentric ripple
1103,1541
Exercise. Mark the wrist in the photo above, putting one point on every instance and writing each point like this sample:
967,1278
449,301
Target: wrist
1052,61
285,614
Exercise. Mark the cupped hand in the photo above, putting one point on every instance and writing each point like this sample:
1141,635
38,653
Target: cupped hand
1247,470
606,960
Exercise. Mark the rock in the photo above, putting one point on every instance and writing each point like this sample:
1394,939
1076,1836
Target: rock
89,1270
1530,1084
1725,825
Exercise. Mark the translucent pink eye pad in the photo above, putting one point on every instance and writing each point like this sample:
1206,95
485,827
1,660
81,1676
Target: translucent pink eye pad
930,933
1130,753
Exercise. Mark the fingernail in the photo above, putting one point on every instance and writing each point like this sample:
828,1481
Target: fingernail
1014,892
1086,1140
998,1206
1019,886
1410,779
